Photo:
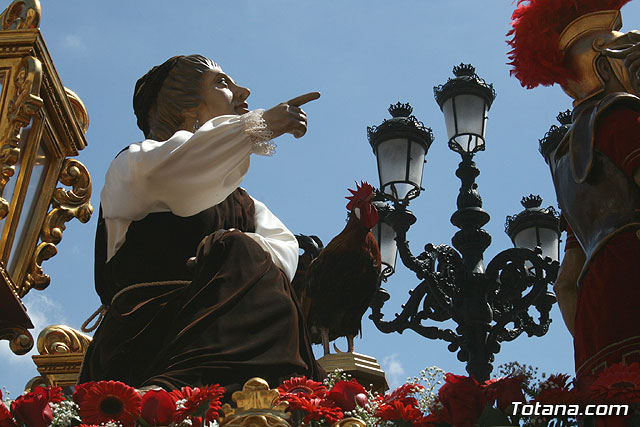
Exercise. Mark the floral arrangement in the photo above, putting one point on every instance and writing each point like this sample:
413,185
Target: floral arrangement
439,399
434,399
113,404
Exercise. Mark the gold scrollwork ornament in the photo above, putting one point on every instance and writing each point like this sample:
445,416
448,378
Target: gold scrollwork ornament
257,406
38,381
21,108
20,340
68,204
65,205
21,14
61,339
350,422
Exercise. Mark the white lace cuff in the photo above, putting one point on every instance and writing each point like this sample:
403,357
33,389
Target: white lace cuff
259,134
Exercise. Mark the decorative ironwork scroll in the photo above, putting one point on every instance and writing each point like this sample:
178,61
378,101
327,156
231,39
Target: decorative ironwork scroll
488,306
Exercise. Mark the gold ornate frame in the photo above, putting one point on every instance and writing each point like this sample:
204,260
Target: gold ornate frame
42,124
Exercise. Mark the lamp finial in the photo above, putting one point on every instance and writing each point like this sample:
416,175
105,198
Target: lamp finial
564,117
400,110
531,201
464,70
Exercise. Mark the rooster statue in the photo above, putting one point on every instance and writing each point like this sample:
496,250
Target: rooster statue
343,279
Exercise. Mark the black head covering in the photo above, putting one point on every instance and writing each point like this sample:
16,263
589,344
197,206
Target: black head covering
146,91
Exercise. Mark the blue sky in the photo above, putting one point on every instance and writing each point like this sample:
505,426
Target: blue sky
362,55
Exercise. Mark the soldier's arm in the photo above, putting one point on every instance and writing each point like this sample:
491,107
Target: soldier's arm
566,286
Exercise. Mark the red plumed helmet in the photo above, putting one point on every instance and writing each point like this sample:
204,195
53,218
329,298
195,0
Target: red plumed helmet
536,57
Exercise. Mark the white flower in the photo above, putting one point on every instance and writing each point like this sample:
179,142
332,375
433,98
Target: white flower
180,403
65,413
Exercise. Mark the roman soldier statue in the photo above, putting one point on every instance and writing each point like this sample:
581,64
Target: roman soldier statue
595,168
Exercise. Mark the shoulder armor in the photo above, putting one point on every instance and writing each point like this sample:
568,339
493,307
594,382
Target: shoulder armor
583,131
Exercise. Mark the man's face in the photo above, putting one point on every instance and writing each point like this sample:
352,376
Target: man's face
221,96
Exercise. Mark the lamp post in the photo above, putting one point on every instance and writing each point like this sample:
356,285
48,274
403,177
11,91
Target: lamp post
489,305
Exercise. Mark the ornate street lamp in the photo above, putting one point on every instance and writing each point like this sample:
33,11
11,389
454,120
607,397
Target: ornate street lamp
490,305
400,145
385,236
535,227
465,101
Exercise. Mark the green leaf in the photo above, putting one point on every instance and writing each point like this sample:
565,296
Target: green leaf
493,417
142,422
589,421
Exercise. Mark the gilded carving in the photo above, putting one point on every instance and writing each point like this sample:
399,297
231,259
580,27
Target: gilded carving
350,422
256,421
35,382
68,204
36,278
79,110
21,108
21,15
61,339
256,406
65,205
61,351
20,340
59,369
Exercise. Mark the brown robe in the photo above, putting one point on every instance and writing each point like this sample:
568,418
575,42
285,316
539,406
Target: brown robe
237,318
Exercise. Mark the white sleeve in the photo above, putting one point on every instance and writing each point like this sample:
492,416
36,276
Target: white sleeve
186,174
276,239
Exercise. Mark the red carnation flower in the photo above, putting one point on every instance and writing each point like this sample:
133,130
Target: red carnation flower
557,390
462,400
430,420
316,408
346,394
54,394
617,384
33,408
111,401
183,393
505,391
158,408
80,391
397,410
402,394
199,400
6,420
302,385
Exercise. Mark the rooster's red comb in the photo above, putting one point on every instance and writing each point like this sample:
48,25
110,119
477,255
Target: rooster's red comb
362,192
536,57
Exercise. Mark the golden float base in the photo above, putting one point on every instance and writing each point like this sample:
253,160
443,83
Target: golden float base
363,368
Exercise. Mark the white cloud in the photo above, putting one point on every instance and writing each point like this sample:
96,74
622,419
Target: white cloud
73,41
392,366
15,370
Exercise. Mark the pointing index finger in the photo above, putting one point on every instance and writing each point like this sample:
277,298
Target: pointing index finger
303,99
